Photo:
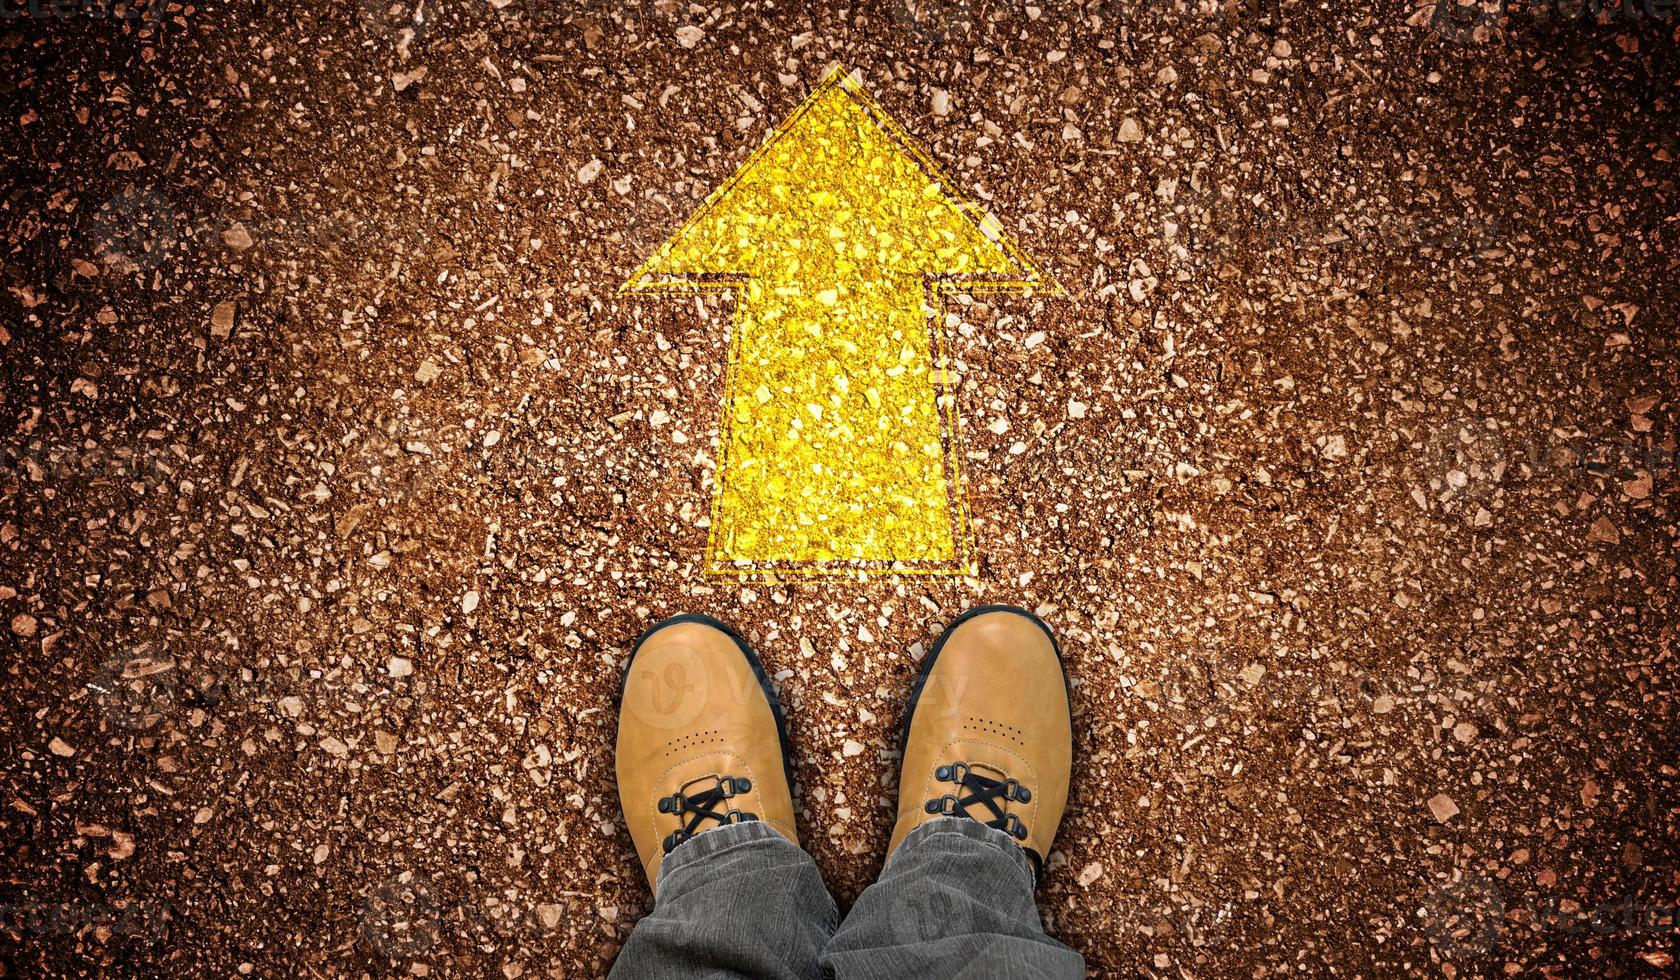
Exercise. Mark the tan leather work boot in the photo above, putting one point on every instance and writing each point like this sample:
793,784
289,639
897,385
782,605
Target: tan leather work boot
701,742
989,734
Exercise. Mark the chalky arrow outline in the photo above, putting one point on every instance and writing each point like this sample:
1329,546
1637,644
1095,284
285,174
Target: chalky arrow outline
936,288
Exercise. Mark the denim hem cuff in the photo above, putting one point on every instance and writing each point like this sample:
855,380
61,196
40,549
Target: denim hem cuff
704,845
964,827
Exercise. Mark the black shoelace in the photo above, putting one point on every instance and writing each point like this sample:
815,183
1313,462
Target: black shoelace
702,805
977,789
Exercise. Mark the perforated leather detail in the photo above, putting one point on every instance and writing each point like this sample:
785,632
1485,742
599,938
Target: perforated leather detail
995,729
693,740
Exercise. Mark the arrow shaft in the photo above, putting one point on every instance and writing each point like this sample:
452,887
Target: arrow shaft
834,447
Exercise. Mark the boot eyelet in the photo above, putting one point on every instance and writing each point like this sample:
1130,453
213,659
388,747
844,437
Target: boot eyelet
945,806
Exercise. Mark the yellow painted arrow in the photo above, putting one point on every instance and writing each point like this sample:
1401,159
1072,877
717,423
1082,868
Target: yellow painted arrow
838,444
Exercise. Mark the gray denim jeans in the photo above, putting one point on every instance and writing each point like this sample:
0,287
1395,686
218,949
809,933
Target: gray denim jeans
742,901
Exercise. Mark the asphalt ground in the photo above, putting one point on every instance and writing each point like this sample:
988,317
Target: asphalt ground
339,475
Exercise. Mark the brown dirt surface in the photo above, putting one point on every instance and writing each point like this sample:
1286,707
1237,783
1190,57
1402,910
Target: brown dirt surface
338,478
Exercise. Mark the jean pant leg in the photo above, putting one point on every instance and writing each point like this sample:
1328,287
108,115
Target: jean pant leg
955,900
740,901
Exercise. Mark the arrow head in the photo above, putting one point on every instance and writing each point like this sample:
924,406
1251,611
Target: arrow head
839,196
